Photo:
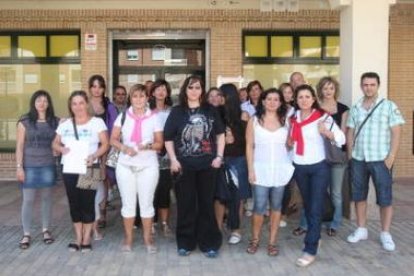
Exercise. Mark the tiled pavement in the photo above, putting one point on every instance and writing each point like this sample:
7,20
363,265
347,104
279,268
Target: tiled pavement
336,256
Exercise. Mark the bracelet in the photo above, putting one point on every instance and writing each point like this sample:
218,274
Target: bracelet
219,156
18,165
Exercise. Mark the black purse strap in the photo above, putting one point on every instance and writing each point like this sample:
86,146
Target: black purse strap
365,120
75,129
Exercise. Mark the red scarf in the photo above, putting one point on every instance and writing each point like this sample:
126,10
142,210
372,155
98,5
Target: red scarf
296,133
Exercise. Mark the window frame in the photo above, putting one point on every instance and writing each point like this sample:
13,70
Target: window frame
15,59
296,59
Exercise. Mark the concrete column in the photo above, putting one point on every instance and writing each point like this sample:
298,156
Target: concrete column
364,36
364,30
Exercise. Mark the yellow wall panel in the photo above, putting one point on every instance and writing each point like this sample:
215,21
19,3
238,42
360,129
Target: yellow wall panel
310,46
5,46
282,46
64,46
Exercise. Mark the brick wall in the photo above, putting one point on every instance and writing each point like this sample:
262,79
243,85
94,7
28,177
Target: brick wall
225,49
401,79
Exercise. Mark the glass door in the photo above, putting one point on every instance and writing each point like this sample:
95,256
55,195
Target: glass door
136,61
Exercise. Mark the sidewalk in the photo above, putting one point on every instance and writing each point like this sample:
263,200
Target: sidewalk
336,255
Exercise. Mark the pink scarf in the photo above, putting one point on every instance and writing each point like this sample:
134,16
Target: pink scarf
136,135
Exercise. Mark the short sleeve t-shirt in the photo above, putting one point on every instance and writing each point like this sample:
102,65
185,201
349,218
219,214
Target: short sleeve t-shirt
194,132
151,124
88,132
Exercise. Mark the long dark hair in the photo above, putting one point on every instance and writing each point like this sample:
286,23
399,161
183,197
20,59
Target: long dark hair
33,115
182,97
101,82
232,110
309,88
281,111
74,94
155,85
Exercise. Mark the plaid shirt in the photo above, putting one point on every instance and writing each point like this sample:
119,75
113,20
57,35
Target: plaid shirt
374,141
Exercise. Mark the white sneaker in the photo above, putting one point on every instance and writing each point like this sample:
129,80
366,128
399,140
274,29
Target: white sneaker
235,238
387,242
358,235
282,223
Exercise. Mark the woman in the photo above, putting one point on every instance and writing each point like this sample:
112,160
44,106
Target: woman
35,163
92,132
328,92
309,126
137,168
269,164
287,92
243,97
254,90
160,102
214,96
102,108
235,161
194,139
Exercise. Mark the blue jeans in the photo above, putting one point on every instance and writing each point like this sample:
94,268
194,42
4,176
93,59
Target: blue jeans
313,181
335,190
238,165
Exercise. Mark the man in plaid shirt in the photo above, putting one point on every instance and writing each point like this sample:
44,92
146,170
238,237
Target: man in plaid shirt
373,153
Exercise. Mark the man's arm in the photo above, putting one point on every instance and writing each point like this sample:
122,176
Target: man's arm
395,143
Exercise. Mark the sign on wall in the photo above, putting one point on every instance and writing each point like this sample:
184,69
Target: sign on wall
91,41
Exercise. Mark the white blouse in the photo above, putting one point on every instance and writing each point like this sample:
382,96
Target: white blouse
272,163
314,150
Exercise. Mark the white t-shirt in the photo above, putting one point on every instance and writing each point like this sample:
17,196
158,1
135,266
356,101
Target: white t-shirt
88,132
144,158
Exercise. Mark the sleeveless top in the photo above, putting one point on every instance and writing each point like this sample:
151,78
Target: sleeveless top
272,163
37,151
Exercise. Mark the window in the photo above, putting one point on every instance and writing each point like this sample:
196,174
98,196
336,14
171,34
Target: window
276,54
30,61
5,46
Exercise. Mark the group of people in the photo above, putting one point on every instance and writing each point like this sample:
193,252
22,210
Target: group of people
256,143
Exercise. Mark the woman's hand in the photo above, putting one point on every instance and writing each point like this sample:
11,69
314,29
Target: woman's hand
216,163
175,166
252,177
324,131
129,151
89,161
20,175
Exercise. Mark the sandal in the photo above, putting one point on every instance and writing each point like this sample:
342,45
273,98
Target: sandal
85,248
272,250
253,246
25,242
47,237
73,247
331,232
299,231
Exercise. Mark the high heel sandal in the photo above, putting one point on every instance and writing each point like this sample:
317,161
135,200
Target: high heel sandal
253,246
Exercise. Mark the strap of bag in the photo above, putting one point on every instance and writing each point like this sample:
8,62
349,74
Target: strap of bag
123,118
365,120
75,129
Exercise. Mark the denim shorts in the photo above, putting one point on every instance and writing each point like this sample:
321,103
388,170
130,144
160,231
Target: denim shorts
39,177
381,176
262,195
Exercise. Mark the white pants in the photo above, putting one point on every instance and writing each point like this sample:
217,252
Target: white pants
132,181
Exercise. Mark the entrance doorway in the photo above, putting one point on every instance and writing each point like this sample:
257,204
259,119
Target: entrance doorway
173,58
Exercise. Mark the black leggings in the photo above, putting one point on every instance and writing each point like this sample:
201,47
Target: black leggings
81,202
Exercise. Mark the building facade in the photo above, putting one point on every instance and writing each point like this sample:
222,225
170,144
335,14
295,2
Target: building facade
56,46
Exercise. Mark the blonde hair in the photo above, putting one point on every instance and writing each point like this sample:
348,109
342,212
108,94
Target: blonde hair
324,81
